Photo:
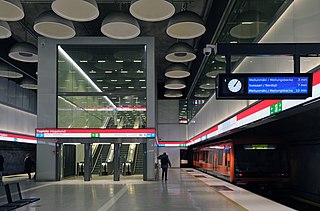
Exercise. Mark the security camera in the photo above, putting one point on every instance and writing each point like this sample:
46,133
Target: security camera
208,49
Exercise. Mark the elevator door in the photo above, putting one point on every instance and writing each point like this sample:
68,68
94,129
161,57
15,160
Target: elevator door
69,160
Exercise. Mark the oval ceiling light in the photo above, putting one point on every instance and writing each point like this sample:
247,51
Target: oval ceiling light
28,83
208,84
11,10
202,93
81,10
185,25
121,26
175,84
24,52
173,93
151,10
5,30
180,52
50,25
177,70
250,24
9,72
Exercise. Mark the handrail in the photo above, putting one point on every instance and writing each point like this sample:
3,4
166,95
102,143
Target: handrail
135,159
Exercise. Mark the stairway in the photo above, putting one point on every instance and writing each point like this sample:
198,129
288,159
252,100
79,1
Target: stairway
139,160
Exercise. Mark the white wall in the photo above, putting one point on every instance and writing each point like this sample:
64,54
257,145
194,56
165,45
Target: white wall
173,153
169,128
17,121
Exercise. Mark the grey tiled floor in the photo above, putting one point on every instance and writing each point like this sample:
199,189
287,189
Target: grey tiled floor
181,192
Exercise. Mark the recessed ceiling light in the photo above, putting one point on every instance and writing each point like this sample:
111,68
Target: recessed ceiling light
101,61
108,71
83,61
128,80
11,10
113,80
99,80
119,61
136,61
84,10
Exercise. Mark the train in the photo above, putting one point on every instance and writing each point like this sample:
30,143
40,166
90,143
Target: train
244,162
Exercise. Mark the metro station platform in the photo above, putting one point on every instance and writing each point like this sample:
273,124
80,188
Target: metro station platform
186,189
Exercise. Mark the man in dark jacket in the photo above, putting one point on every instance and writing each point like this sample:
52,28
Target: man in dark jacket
165,162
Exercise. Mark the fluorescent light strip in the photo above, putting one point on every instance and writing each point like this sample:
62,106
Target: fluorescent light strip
83,73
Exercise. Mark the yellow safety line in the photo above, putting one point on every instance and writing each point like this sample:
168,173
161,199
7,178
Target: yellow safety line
234,202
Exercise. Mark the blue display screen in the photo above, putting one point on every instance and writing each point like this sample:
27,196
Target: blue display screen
278,85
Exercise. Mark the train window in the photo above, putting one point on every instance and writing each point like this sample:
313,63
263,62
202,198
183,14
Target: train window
220,157
210,156
262,159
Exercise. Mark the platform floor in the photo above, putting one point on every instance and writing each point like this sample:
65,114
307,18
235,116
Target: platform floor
186,189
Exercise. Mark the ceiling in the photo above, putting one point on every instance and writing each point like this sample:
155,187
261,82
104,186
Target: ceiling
220,18
23,31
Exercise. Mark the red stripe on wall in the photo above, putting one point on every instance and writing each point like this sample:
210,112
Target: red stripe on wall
262,105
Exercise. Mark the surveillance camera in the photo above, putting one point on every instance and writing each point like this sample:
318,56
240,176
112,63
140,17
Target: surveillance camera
207,51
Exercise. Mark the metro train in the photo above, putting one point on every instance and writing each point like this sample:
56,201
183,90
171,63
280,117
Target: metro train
244,162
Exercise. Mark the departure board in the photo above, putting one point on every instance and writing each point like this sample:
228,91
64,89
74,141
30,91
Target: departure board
264,86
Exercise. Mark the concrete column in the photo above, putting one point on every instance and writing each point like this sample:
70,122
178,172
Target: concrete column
116,160
87,162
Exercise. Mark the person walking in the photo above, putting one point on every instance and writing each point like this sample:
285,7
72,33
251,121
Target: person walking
1,168
165,163
28,164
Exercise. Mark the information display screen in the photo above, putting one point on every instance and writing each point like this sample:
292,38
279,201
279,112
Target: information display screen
264,86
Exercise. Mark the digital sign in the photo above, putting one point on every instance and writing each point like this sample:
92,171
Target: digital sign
264,86
95,133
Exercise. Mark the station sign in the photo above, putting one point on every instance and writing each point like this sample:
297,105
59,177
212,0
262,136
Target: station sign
264,86
94,133
4,136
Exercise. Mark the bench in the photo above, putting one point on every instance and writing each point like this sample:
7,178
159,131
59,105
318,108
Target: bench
14,204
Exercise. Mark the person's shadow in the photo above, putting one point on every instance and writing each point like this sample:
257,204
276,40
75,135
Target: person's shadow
164,188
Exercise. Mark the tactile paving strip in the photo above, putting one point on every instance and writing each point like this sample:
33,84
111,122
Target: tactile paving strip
221,188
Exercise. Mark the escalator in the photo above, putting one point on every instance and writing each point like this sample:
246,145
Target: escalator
138,167
100,157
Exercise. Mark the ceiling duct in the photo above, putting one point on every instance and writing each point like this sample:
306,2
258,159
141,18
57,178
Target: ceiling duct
28,83
24,52
173,93
250,24
177,70
185,25
81,10
11,10
151,10
8,71
175,84
121,26
5,30
180,52
50,25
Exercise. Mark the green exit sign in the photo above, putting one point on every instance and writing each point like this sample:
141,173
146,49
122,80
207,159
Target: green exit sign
95,135
276,108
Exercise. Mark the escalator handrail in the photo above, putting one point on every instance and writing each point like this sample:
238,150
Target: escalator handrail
96,161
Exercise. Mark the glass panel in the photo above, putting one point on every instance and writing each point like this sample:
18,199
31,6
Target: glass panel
102,86
248,21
